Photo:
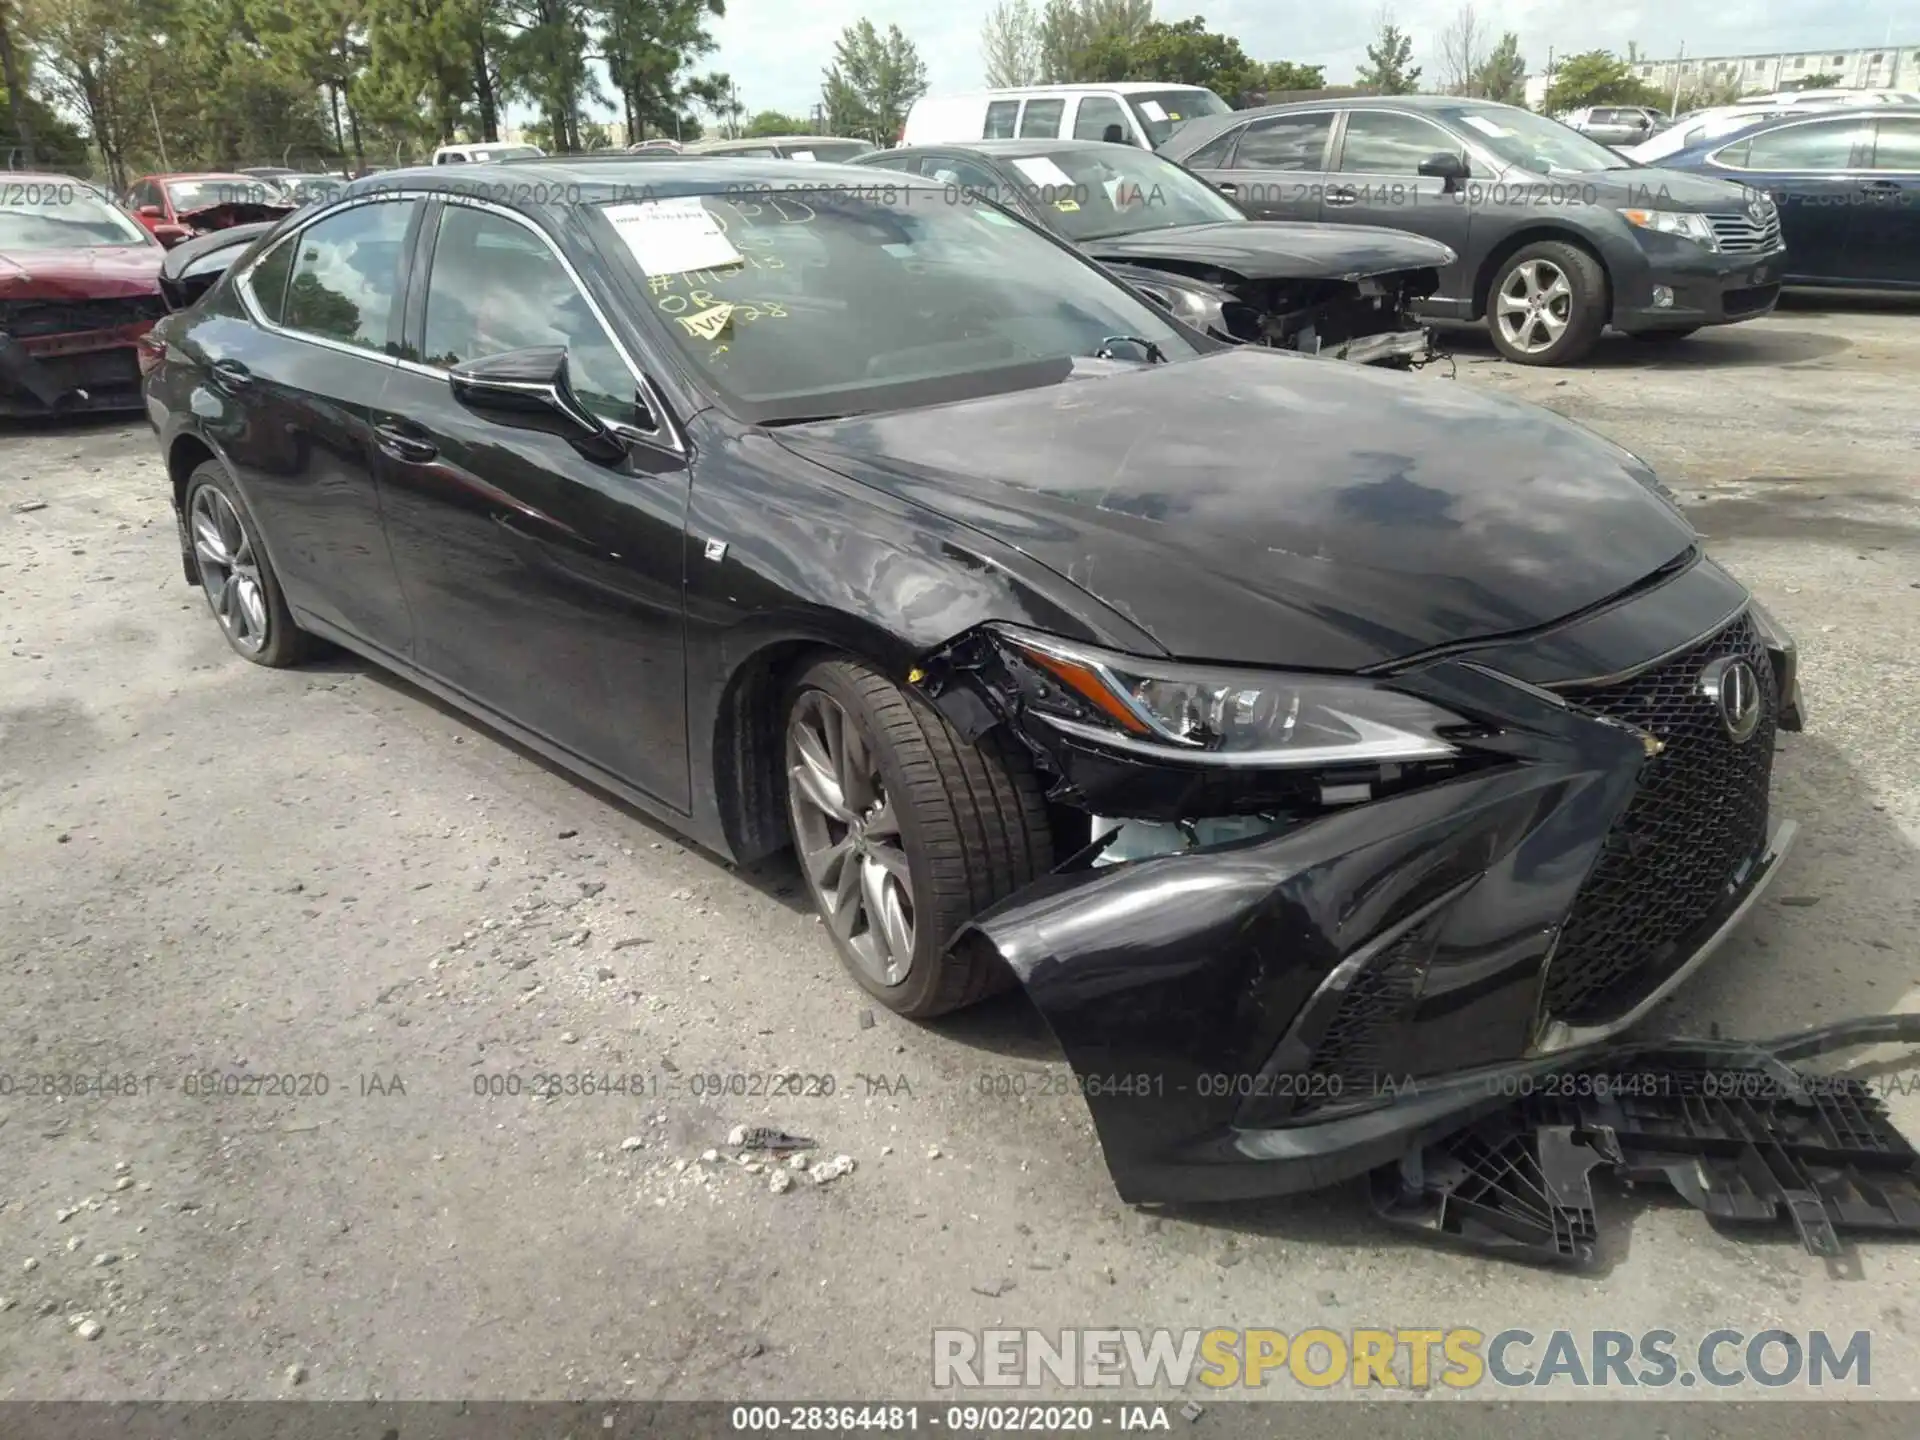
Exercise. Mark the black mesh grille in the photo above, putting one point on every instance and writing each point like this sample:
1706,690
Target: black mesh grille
1365,1039
1670,860
29,319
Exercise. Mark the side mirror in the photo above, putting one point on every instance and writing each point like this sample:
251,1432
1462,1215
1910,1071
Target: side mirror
171,235
529,390
1444,166
150,212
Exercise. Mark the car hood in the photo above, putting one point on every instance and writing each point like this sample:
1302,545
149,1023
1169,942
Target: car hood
1277,250
233,212
1654,187
1260,508
100,273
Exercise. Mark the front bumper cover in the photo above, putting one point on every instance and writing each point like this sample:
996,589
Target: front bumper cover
82,376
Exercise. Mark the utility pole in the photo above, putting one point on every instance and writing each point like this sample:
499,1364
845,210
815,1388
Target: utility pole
1678,65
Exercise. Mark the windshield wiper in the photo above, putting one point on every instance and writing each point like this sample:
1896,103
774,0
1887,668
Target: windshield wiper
1155,355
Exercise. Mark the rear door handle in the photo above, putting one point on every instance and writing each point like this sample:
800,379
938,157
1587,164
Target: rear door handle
1880,187
231,373
1343,197
403,442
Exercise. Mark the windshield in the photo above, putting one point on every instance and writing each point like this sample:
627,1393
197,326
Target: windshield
59,215
810,301
1100,191
191,195
1533,142
1161,112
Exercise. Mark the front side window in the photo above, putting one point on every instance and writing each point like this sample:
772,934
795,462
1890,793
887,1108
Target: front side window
1821,145
812,301
496,286
60,215
346,274
1380,142
1101,118
1286,142
1041,119
1898,146
1001,118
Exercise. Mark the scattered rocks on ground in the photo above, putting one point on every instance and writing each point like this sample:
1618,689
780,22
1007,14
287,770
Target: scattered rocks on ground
296,1374
633,1143
106,1257
89,1329
992,1289
780,1181
125,1182
933,1152
826,1170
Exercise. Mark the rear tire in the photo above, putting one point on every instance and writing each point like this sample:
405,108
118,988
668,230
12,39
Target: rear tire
905,832
236,576
1547,304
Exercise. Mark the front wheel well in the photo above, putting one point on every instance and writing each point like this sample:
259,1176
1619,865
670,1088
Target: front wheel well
187,454
748,749
1518,241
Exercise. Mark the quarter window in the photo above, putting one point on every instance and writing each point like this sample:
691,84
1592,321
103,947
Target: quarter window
1213,154
1041,119
1380,142
1001,115
496,286
346,274
1898,147
268,280
1286,142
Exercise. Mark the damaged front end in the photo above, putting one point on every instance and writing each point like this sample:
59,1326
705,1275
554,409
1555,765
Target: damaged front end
69,355
1367,319
1320,921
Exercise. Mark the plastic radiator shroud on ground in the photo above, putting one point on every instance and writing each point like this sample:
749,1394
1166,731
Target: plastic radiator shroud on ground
1731,1126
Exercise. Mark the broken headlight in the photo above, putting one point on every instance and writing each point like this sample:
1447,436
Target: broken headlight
1222,716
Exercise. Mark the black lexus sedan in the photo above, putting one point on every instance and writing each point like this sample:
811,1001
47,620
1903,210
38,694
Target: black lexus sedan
1557,235
1321,749
1341,292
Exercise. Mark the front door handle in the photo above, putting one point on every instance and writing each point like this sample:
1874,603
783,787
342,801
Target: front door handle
1879,187
1343,197
402,442
1226,187
231,374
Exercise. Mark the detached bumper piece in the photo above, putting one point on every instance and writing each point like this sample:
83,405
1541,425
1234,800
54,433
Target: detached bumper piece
1731,1127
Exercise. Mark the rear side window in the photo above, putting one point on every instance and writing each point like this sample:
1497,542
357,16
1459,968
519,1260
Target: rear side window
1041,120
267,282
1285,142
1823,145
1100,117
496,286
1001,115
1213,154
346,274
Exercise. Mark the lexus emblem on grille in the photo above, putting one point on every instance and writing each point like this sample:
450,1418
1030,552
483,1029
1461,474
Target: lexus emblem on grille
1734,688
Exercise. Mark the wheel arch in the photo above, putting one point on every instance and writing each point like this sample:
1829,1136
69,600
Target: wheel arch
186,454
1510,245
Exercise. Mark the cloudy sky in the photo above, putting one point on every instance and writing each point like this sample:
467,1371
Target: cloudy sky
776,49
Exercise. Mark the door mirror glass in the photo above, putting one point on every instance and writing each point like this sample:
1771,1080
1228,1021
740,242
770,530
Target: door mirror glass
529,390
1444,166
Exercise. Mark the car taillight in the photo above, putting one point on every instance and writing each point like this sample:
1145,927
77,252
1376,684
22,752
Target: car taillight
149,350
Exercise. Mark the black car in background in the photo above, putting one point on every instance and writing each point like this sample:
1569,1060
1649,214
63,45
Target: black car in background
1275,724
1557,235
1846,185
1341,293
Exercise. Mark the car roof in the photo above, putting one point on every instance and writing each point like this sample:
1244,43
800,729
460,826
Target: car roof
1001,149
599,178
1123,87
202,175
1204,127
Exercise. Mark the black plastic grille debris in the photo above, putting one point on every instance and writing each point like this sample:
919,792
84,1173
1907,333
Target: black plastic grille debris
1698,816
30,319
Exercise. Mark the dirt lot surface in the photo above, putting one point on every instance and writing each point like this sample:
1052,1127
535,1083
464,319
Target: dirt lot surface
212,869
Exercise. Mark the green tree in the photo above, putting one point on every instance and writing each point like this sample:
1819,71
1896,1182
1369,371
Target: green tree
1183,53
1387,69
1010,44
1819,80
1595,77
13,72
774,122
650,48
1504,75
545,60
1072,31
1277,76
872,83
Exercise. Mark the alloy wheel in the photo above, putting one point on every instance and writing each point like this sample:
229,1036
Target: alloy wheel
1534,306
848,836
229,573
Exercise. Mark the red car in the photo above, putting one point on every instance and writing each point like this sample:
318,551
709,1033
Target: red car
178,207
79,288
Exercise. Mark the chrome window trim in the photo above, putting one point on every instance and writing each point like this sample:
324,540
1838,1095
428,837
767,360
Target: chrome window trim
667,435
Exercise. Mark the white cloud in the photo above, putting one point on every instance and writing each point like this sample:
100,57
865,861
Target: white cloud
776,51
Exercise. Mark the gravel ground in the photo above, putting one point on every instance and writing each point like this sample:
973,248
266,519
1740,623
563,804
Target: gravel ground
326,876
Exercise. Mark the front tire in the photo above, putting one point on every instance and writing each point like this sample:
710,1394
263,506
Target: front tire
1547,304
904,833
236,576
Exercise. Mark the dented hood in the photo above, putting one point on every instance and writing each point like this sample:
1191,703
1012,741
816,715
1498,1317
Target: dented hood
1263,508
231,212
1276,250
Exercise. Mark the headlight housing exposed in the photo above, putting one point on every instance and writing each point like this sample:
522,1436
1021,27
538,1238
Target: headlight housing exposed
1210,715
1683,223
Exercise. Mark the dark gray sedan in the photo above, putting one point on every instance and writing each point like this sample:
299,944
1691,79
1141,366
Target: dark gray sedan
1557,236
